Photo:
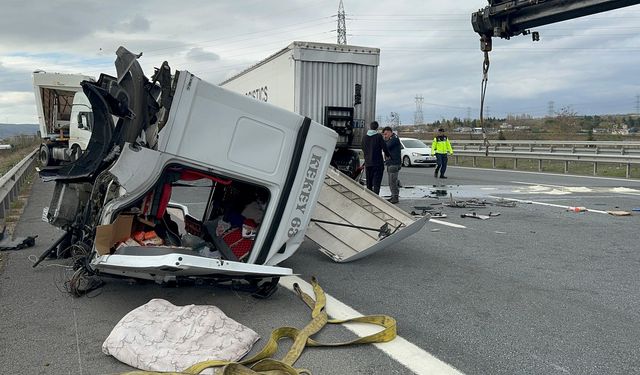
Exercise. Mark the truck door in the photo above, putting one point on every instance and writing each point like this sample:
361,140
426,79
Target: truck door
81,124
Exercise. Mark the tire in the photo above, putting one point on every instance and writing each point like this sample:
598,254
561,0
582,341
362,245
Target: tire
44,156
406,162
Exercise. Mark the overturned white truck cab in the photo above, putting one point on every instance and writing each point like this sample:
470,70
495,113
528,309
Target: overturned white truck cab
193,180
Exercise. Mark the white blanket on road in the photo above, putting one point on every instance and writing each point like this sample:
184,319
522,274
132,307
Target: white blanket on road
159,336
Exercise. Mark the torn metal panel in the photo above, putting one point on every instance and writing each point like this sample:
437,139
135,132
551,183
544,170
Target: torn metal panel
344,201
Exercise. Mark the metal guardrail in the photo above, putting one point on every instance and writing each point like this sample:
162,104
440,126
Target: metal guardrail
582,147
12,182
626,153
550,142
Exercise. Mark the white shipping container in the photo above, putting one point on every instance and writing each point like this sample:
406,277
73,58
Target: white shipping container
308,77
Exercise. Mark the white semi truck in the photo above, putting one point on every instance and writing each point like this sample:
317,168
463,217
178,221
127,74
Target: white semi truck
333,84
64,116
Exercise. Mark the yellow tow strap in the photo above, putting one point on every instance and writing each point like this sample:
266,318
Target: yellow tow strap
263,364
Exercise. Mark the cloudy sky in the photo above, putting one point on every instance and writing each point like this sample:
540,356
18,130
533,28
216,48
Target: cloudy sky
590,65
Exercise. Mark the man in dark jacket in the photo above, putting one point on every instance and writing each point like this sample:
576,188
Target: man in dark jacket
373,146
393,163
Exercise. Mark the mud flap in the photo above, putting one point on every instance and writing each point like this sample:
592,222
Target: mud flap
347,212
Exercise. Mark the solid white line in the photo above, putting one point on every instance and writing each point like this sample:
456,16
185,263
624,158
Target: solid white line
549,198
411,356
446,223
75,322
548,174
548,204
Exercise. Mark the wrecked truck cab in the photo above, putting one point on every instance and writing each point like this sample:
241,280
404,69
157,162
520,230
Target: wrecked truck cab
184,179
236,152
254,169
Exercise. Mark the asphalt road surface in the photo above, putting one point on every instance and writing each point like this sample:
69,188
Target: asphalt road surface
536,290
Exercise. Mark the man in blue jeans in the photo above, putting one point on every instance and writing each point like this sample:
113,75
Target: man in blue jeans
441,147
373,146
393,163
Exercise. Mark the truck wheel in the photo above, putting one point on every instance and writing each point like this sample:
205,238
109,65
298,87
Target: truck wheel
406,162
44,155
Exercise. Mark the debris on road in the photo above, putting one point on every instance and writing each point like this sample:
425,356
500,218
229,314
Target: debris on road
501,202
479,203
469,203
475,216
576,209
428,210
17,243
619,213
438,215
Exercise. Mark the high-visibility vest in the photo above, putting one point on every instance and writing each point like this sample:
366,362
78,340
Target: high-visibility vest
441,145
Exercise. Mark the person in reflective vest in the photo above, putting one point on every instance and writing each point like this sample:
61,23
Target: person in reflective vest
441,147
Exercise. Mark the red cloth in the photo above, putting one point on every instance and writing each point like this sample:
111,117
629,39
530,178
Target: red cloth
239,245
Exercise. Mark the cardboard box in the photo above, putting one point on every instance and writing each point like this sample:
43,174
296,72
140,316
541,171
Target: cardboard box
108,235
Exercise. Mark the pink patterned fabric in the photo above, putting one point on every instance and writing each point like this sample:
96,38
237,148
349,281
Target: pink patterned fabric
159,336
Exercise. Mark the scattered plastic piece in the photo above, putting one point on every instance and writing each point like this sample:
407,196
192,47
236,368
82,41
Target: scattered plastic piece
435,230
619,213
475,216
576,209
18,243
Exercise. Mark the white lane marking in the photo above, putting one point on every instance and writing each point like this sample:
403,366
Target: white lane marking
548,189
564,198
546,174
625,191
75,323
537,184
575,189
446,223
547,204
411,356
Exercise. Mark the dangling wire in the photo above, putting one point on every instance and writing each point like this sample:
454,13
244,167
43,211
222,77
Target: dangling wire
485,46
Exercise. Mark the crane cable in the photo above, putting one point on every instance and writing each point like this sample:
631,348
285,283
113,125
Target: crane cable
485,46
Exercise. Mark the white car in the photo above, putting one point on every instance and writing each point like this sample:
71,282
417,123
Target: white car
414,151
